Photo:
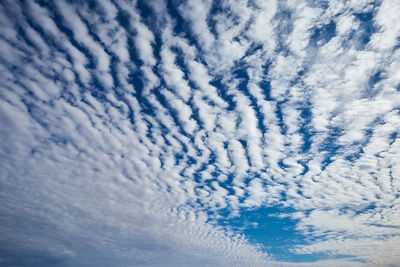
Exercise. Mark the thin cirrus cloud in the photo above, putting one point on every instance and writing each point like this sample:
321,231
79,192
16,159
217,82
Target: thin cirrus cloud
199,133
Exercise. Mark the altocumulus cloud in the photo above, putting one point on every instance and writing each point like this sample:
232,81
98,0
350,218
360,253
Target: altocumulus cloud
199,133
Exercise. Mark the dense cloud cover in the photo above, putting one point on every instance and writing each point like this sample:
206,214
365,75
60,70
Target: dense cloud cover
165,133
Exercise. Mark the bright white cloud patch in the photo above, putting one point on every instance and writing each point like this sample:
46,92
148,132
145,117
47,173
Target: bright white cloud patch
138,133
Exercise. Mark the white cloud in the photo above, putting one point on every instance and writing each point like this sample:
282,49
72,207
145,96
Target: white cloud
138,175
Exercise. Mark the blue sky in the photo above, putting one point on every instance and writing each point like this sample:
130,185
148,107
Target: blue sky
199,133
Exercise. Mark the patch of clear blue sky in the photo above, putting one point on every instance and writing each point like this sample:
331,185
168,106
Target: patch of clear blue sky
276,234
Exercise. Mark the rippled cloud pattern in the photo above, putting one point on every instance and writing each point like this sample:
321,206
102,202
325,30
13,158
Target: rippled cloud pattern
199,133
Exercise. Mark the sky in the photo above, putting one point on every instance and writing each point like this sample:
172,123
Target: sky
199,133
